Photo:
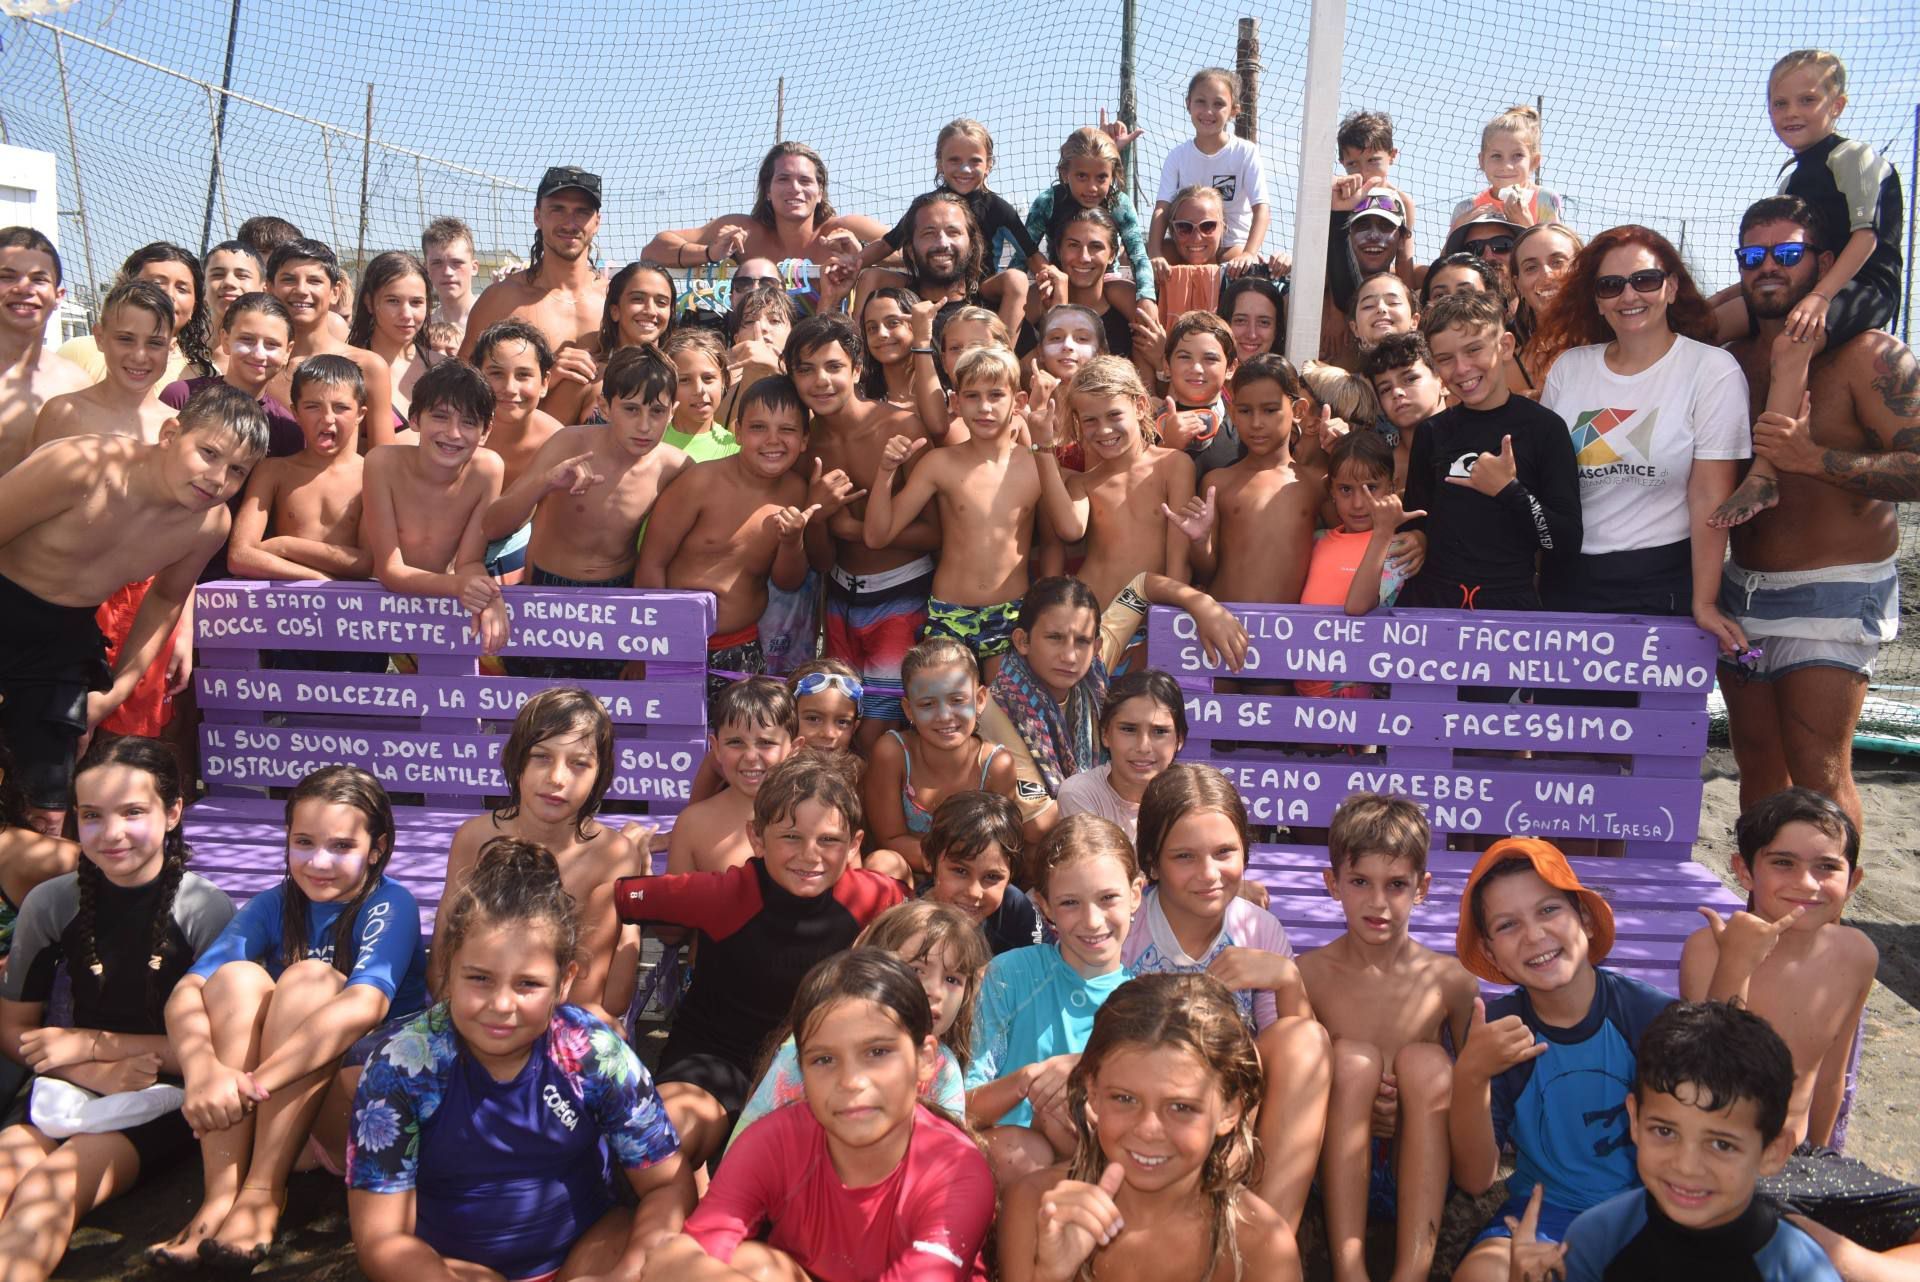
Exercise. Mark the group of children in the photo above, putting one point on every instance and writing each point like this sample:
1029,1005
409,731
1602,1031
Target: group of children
1086,1037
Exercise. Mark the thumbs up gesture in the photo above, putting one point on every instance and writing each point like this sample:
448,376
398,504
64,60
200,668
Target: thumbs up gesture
1491,473
1075,1219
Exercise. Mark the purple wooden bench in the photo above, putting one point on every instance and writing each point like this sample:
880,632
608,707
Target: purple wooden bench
1628,776
436,734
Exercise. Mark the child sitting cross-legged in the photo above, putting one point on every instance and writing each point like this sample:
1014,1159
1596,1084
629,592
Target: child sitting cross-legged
1391,1006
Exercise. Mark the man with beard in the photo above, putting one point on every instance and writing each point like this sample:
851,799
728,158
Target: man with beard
1371,223
559,293
30,375
944,257
1812,581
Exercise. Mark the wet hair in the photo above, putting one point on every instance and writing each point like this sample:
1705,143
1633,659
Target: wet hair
1348,396
258,302
1185,788
32,238
1370,824
458,386
1107,376
938,652
757,703
441,333
828,665
860,974
1194,1013
395,264
225,407
1833,72
195,338
513,331
763,184
1789,209
1149,683
1078,838
801,778
1726,1053
345,786
989,364
265,233
966,823
1396,351
1521,121
758,304
302,249
873,375
963,128
1472,310
1266,289
1363,451
143,295
1225,77
1051,593
157,760
1573,319
1365,131
695,338
329,370
238,247
1761,822
1492,279
513,883
973,267
617,288
945,928
559,710
443,231
1270,368
642,372
777,393
1059,311
1091,143
823,329
1203,322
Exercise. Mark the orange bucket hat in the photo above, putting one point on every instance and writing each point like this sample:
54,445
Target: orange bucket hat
1471,946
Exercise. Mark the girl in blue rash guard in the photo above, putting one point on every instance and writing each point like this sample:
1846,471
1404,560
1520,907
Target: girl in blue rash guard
485,1131
313,964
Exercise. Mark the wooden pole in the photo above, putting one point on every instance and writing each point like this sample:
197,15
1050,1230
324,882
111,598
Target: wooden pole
1246,61
79,189
366,167
220,126
780,110
1319,112
1129,100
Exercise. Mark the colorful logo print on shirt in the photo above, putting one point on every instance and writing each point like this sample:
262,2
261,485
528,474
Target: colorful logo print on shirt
1591,444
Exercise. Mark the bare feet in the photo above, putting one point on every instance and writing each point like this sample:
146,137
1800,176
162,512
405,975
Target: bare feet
246,1236
182,1251
1755,495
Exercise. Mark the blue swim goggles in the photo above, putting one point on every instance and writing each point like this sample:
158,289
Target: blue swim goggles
821,682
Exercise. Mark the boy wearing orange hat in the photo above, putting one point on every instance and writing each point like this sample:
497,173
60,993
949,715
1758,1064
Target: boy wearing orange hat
1548,1067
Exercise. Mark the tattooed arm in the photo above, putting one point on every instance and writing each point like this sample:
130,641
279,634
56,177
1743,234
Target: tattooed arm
1883,381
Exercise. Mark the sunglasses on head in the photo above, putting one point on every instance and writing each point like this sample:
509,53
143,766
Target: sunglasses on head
1645,282
1187,227
1751,256
1492,244
1376,204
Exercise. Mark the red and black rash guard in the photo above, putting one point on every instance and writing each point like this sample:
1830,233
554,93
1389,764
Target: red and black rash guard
757,941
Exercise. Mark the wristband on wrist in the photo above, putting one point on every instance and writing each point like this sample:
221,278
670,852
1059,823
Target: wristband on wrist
922,351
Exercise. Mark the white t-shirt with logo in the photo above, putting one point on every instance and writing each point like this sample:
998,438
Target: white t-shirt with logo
1635,437
1234,169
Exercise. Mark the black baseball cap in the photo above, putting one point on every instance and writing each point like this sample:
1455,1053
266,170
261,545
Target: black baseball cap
562,177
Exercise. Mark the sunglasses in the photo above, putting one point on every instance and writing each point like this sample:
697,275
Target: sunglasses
1645,282
821,682
1751,256
1377,204
747,284
1492,244
1186,227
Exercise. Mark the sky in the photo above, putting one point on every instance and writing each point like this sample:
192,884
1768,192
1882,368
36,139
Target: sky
1654,112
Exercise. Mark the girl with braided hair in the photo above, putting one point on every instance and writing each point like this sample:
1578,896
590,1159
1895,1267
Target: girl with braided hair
127,923
261,1022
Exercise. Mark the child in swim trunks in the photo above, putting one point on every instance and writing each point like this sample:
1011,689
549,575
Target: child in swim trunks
516,361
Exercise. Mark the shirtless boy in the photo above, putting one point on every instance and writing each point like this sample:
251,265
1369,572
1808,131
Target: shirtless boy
300,274
135,336
1790,960
310,501
1844,463
77,520
30,375
587,492
1118,501
988,492
791,218
728,525
1387,1002
754,730
876,597
447,248
515,359
424,503
559,293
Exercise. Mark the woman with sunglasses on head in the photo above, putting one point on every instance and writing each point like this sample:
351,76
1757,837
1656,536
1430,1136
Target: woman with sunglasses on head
1630,329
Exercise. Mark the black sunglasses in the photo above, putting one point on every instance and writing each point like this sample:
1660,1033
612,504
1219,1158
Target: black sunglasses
747,284
1751,256
1495,244
1643,282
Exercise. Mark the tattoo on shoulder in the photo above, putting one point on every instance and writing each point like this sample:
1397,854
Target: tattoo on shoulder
1896,376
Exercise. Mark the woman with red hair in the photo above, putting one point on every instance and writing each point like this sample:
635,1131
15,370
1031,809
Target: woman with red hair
1659,422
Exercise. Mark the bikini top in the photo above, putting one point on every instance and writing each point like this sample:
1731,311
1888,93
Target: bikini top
919,818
